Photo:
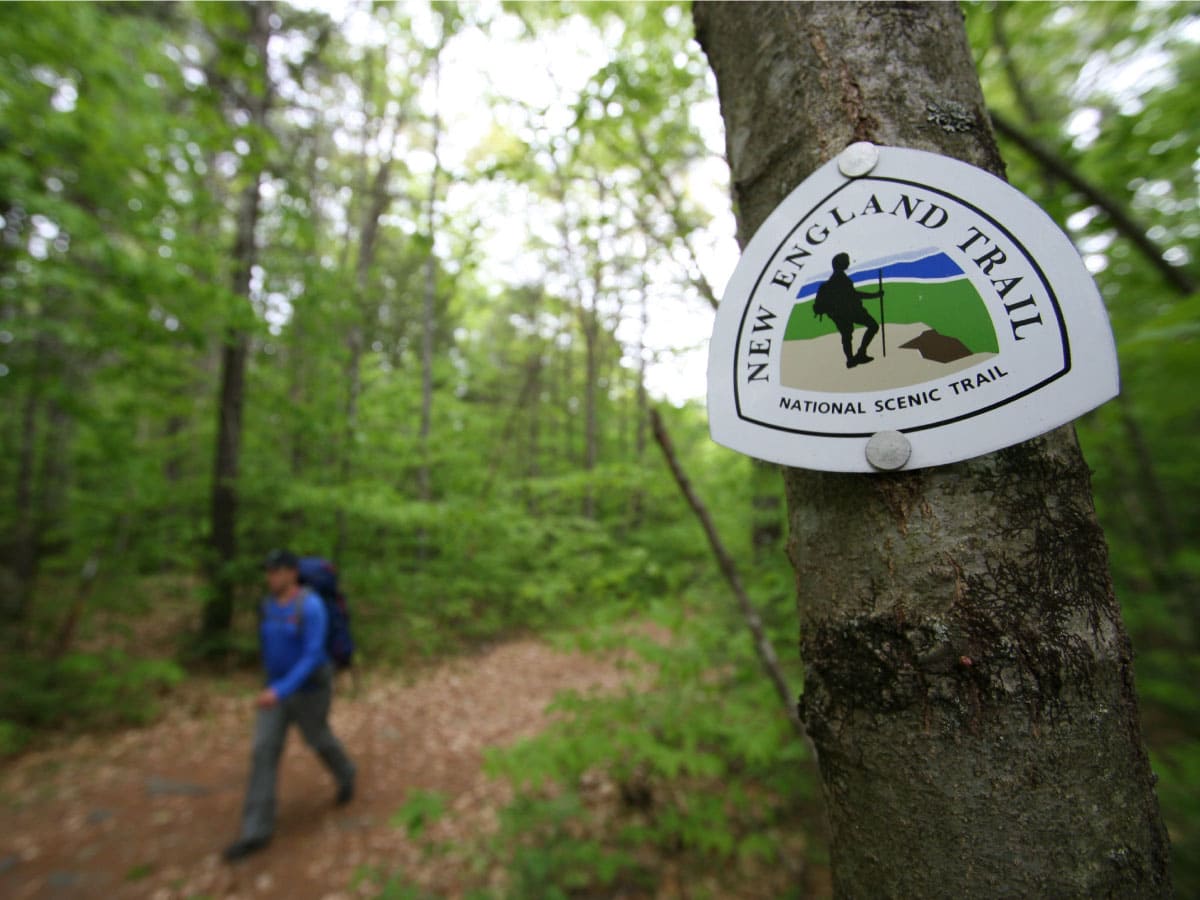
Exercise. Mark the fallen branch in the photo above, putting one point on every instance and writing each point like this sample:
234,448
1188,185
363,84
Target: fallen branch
762,643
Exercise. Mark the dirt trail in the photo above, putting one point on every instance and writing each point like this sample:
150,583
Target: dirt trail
145,813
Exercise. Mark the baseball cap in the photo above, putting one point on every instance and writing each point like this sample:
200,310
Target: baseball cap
281,559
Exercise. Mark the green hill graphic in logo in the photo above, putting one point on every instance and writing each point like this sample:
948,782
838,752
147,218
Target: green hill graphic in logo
931,322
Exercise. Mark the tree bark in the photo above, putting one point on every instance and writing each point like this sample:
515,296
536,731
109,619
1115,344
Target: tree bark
590,325
22,553
218,610
429,301
638,500
969,682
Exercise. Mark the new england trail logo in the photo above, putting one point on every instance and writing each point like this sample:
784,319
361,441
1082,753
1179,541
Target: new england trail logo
922,301
925,297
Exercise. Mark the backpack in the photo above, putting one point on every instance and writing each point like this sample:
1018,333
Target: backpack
321,575
825,301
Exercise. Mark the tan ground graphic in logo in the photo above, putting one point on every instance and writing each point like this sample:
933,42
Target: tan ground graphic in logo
818,364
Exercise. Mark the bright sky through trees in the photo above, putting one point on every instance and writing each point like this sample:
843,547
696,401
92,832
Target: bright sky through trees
491,75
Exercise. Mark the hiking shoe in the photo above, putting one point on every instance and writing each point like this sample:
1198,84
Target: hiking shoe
851,362
345,794
862,359
243,847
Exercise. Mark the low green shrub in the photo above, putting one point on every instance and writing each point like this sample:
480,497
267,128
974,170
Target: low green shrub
692,770
78,691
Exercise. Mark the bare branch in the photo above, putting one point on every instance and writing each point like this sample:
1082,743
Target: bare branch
1122,220
762,643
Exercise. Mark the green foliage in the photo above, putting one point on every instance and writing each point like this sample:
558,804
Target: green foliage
389,887
1178,770
1108,89
139,872
420,810
80,691
699,768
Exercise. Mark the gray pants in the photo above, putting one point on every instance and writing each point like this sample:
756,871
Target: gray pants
309,709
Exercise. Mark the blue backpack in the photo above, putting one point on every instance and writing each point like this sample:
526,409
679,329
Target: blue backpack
321,575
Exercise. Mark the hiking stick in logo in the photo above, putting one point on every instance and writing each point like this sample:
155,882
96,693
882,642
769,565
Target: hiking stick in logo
939,322
882,320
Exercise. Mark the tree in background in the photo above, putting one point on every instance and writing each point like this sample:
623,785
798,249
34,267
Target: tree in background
969,683
103,296
241,69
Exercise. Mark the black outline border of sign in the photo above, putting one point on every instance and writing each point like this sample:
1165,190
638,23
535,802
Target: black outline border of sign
1062,327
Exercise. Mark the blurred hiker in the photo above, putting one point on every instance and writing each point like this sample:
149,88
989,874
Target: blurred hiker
299,689
839,299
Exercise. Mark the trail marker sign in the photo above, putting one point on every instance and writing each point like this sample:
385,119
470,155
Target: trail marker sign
911,298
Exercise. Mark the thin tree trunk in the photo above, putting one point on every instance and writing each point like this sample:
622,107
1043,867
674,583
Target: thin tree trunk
218,610
534,448
568,396
53,478
638,500
763,647
363,312
640,435
589,323
1160,539
1000,36
528,391
429,305
23,555
299,328
1165,524
117,544
591,337
969,682
536,363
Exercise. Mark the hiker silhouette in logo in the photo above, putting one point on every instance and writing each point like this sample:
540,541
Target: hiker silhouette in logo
839,299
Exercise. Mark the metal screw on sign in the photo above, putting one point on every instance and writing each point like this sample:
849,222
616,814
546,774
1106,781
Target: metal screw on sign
888,450
858,159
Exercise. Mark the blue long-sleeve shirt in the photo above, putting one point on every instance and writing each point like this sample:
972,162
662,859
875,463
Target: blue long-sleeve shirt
293,641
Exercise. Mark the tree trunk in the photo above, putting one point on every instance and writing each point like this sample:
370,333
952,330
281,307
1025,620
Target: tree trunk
537,359
218,610
566,401
429,305
23,551
969,682
364,313
638,500
591,337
